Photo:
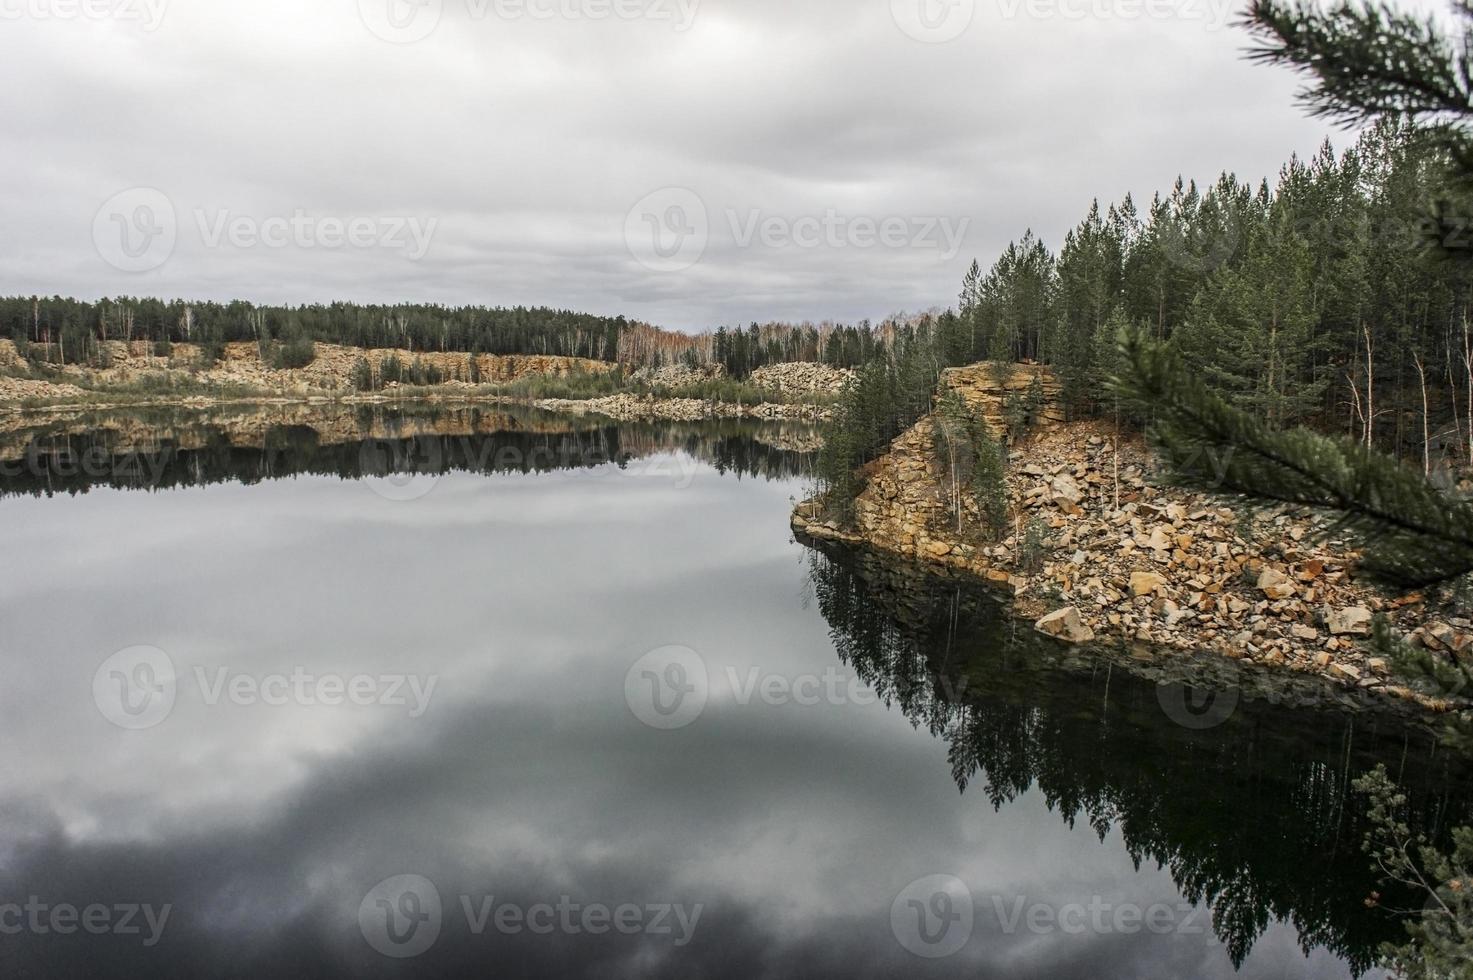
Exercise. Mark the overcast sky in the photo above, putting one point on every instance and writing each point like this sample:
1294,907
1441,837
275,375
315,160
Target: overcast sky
686,162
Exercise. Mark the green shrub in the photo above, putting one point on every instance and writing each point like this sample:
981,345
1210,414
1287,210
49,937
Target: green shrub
1035,546
989,484
391,370
362,375
295,353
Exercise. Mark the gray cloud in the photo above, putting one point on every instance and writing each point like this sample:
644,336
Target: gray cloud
527,142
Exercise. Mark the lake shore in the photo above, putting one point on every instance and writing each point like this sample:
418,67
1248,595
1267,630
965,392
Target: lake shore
1117,556
137,375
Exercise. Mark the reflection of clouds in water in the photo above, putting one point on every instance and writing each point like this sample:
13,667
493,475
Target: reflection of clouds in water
528,777
486,802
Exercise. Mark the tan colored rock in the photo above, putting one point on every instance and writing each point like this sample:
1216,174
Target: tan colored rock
1275,584
1352,620
1066,490
1145,583
1065,624
1311,570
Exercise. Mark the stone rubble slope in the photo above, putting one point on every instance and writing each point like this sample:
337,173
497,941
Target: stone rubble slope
801,378
633,408
1142,561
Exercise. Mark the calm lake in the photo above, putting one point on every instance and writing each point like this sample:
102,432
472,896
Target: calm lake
382,692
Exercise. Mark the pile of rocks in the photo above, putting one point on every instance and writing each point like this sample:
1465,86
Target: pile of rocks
801,378
1117,554
630,408
331,370
23,389
677,375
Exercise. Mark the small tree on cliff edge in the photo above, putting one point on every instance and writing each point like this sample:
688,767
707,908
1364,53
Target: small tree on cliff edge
955,433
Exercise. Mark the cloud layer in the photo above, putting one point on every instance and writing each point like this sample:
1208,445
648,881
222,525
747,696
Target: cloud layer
791,161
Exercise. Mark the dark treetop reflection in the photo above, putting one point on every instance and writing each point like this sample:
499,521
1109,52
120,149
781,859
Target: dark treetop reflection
161,448
526,593
1252,812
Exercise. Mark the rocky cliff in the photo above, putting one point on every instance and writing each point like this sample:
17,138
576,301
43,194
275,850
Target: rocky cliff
1115,553
331,370
985,387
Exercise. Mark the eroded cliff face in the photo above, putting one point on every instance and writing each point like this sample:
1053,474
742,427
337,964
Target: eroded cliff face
331,371
1126,557
985,388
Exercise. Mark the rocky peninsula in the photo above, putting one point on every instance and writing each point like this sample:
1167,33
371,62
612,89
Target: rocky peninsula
1102,550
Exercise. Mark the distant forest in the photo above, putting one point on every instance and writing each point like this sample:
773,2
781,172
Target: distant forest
61,330
69,329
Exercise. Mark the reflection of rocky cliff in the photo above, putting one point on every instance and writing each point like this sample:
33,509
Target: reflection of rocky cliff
1249,807
164,448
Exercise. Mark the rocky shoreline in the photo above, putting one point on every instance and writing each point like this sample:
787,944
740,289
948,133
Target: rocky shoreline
240,377
1116,556
635,408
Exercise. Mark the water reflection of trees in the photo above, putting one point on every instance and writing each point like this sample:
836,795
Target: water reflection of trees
156,451
1254,816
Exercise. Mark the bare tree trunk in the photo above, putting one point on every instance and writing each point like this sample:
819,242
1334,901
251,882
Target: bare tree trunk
1370,385
1468,371
1360,414
1426,434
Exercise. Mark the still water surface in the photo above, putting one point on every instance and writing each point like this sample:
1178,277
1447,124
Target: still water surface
529,712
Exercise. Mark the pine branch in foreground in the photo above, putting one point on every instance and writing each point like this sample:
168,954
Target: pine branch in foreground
1414,534
1368,59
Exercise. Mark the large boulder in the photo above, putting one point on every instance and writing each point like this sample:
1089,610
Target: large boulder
1065,624
1354,620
